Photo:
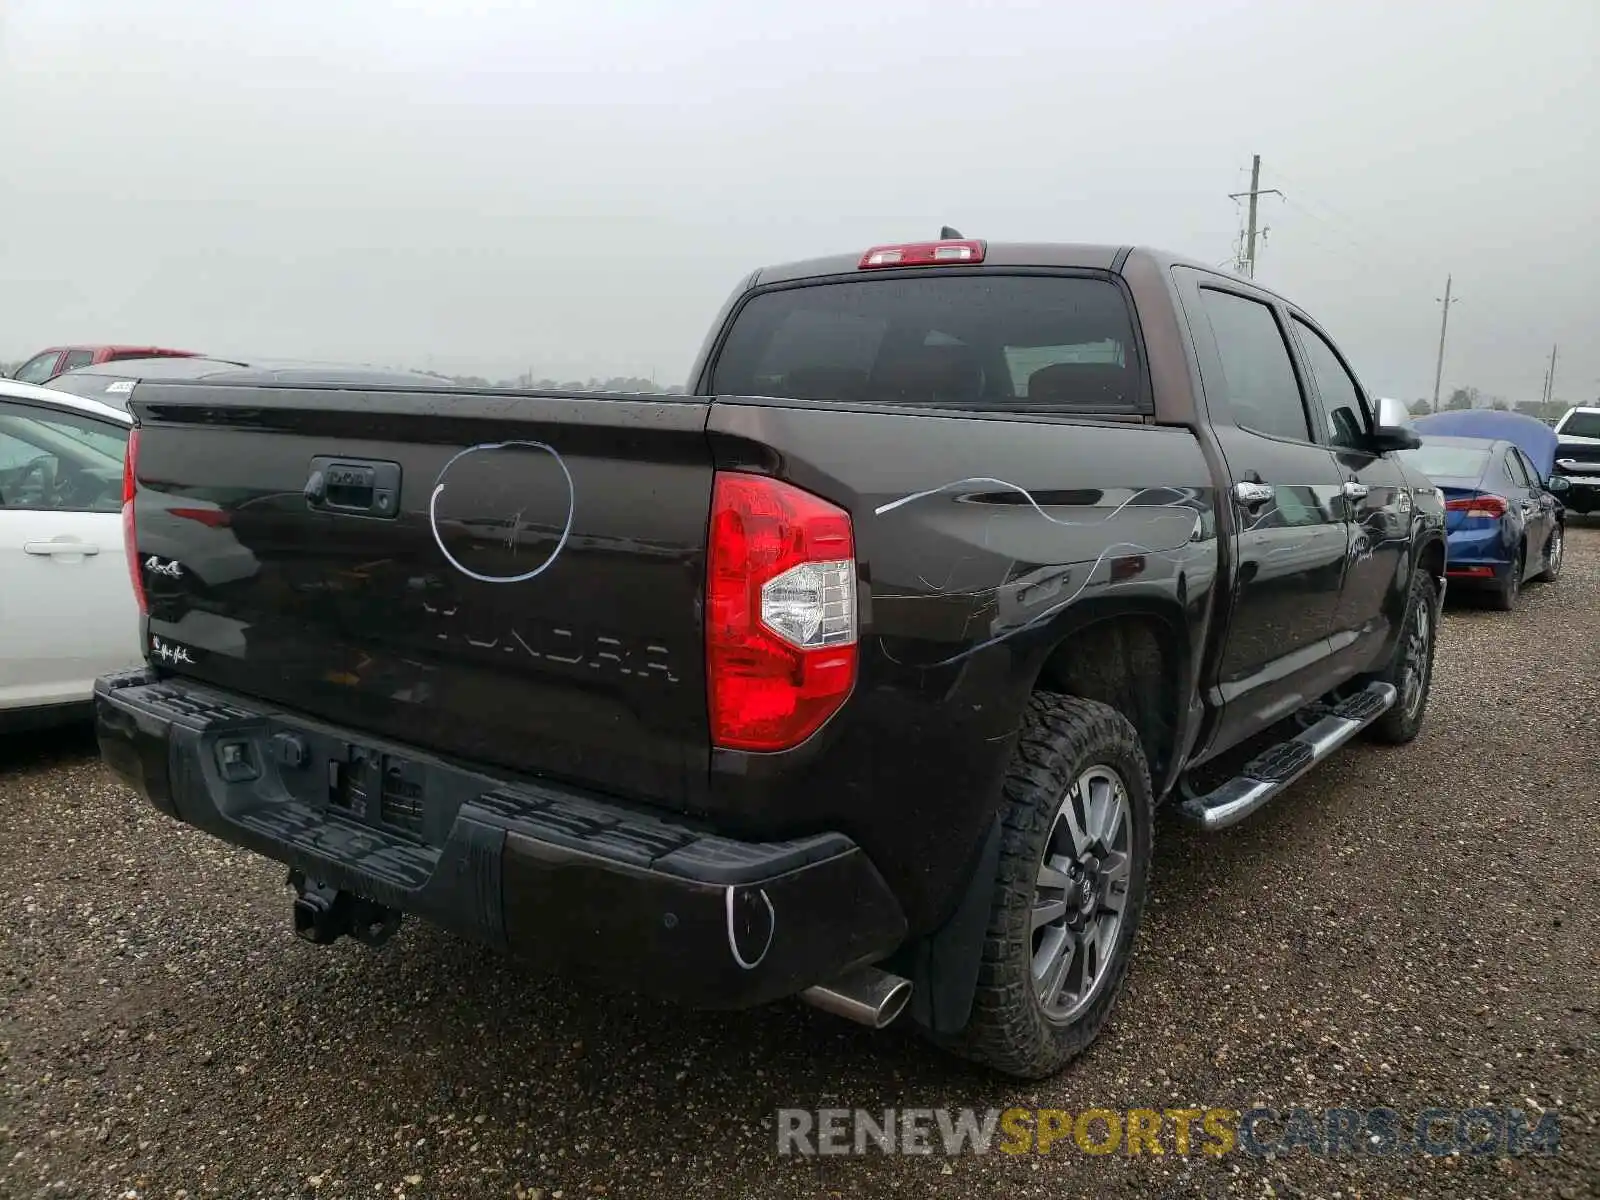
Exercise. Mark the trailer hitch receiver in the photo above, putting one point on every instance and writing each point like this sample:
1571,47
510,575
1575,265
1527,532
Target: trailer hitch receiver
323,914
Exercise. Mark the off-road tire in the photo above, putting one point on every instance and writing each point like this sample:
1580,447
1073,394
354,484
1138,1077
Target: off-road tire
1062,737
1400,724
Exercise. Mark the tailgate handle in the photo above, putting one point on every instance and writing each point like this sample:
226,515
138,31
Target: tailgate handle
361,487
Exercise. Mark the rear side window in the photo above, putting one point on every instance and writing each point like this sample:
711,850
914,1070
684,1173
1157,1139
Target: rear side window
52,460
1263,393
1515,470
1532,472
1011,342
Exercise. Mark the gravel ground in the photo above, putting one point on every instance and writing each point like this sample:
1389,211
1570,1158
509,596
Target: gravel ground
1408,928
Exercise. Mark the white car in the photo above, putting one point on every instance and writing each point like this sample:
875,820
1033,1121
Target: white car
67,610
1578,458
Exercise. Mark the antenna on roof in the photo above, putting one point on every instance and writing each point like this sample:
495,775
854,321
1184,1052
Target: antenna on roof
946,234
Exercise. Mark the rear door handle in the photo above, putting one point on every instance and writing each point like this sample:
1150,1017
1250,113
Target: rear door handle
1355,491
60,548
1252,495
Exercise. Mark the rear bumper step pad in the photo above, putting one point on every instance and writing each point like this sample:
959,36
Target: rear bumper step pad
632,900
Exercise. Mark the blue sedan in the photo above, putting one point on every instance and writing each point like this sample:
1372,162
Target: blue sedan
1503,525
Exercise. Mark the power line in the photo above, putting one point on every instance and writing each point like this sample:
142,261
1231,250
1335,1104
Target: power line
1350,240
1347,241
1394,250
1344,228
1346,245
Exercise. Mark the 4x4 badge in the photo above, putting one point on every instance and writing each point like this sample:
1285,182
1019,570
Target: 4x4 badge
170,652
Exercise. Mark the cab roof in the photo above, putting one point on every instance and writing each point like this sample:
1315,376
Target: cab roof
1083,256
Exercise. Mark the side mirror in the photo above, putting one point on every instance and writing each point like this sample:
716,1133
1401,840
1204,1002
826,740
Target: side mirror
1393,429
1557,484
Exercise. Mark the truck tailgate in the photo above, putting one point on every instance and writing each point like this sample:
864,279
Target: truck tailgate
512,580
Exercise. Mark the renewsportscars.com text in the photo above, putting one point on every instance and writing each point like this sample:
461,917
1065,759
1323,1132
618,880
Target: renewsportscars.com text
1213,1132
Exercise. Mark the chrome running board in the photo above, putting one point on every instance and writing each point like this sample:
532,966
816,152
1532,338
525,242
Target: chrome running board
1270,772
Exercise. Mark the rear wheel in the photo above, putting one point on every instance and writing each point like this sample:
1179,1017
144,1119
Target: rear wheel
1505,596
1074,859
1554,551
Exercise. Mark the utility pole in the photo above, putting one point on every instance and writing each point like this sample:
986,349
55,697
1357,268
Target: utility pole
1550,378
1444,324
1247,261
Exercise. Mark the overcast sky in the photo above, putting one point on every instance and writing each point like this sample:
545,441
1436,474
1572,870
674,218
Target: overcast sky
573,186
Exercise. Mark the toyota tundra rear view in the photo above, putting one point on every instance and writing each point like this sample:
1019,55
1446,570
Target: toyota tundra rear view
859,674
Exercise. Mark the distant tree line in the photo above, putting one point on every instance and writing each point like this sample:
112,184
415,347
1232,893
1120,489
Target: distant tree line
1464,398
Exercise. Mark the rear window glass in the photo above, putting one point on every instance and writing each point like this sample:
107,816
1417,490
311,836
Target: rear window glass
1447,461
1041,343
1582,424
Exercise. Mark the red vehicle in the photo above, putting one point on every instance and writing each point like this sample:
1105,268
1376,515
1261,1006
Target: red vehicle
47,364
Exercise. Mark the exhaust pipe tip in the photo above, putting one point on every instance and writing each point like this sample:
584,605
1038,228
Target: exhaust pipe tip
866,996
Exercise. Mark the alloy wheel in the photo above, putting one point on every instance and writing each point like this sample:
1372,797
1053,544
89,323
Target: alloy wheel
1081,893
1414,668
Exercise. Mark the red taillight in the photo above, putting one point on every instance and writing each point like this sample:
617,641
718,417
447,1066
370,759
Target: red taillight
924,254
780,613
1478,506
130,466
